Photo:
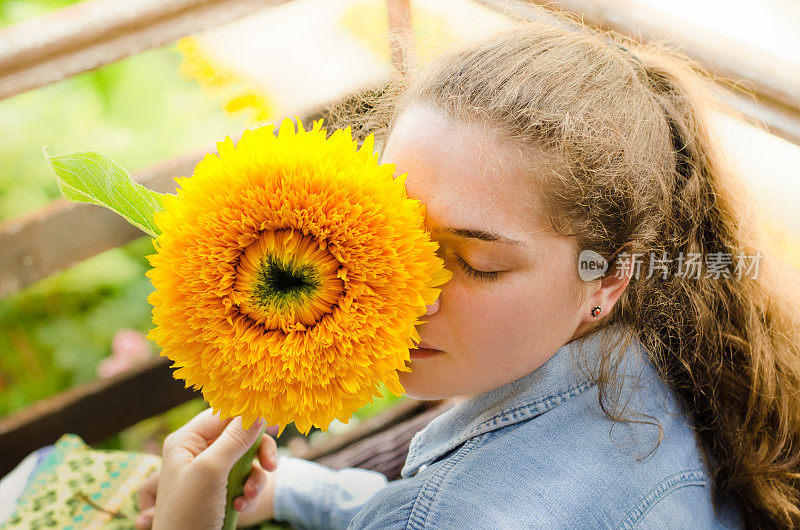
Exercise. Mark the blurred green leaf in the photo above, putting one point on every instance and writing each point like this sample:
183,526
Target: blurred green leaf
89,176
109,269
378,405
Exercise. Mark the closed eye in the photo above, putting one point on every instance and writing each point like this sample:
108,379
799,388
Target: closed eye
474,273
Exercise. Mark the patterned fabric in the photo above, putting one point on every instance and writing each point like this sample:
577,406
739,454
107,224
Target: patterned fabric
76,487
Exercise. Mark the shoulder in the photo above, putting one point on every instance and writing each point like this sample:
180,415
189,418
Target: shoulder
569,467
682,500
465,490
574,466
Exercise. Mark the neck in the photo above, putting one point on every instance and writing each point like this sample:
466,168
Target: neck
458,399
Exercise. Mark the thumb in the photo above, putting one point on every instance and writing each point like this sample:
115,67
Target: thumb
234,442
145,519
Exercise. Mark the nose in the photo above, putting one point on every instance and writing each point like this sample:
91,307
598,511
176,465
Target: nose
433,308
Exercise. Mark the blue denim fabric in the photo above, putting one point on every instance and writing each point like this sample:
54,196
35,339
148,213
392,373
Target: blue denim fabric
538,452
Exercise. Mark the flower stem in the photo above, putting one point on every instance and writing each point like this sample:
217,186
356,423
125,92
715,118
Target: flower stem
236,480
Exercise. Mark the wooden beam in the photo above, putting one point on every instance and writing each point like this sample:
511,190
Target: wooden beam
64,233
93,411
93,33
385,449
401,34
398,413
774,79
781,122
775,82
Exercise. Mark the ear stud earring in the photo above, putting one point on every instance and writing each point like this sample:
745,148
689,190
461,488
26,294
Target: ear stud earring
596,310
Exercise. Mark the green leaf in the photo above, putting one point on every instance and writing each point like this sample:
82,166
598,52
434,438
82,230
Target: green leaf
89,176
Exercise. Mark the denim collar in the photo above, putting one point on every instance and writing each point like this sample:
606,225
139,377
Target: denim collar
553,383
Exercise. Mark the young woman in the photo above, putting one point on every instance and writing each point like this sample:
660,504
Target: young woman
662,391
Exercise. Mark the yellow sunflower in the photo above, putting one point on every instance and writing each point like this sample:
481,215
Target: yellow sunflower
290,273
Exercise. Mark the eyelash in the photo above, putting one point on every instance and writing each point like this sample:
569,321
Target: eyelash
478,275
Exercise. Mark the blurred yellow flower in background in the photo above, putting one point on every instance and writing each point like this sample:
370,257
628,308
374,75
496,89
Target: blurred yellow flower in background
782,241
290,275
236,92
368,21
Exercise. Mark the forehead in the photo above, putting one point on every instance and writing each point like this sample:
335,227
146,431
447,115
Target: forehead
466,175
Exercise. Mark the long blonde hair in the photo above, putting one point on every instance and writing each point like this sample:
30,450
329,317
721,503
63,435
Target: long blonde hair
631,123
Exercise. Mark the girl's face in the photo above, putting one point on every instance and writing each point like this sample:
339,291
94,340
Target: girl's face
515,296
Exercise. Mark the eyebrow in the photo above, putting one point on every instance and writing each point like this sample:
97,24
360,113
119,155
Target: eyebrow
472,233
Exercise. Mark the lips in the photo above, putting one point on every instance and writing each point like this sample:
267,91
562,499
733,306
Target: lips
424,350
426,346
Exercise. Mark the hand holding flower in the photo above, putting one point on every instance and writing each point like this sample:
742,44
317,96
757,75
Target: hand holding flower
196,460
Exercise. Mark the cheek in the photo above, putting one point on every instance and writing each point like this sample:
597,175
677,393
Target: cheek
494,333
526,313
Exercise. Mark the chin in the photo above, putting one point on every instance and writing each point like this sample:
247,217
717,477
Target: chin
418,388
425,396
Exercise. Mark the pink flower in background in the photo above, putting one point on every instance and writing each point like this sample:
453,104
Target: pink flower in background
128,348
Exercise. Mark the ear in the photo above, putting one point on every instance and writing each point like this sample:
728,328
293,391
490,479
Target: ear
607,291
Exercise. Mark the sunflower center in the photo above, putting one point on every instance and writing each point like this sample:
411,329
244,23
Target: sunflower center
284,281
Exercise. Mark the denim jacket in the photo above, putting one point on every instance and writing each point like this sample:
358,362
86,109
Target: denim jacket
536,453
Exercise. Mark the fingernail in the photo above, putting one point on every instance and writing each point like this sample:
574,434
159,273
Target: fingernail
253,426
272,430
242,506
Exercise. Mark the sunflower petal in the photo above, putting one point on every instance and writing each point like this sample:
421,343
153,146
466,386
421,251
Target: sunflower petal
290,274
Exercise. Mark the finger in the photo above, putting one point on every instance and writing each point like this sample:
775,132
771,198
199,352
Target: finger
185,444
240,504
272,430
255,482
147,491
233,443
145,519
205,424
268,453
